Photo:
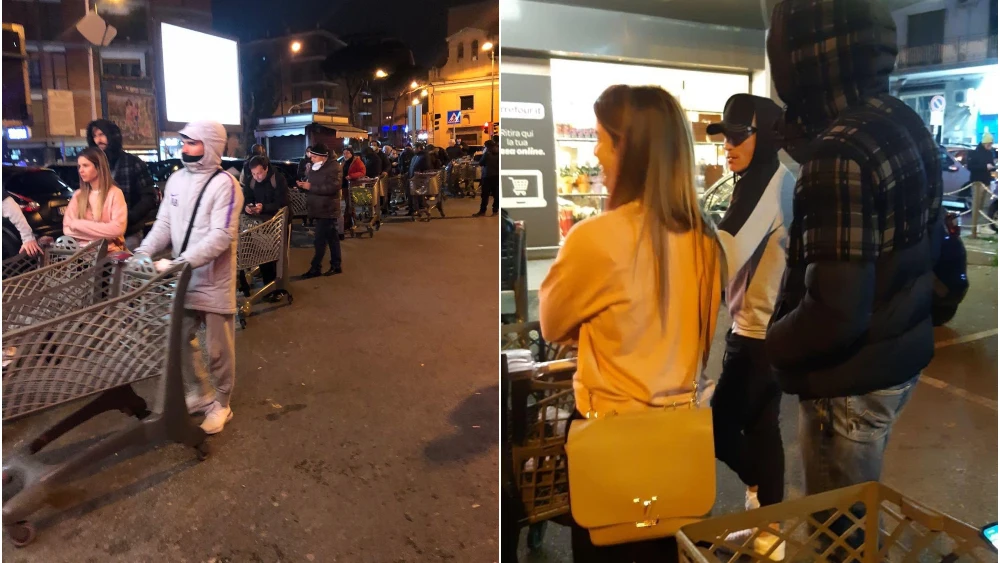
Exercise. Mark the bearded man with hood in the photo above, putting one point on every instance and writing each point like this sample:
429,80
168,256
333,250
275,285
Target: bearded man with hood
199,220
130,174
852,326
753,235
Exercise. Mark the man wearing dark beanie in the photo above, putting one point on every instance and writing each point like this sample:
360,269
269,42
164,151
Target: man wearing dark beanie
323,201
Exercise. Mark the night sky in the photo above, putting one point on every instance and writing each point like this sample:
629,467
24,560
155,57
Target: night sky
422,24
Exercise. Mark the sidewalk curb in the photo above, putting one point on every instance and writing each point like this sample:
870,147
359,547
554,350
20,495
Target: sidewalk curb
981,258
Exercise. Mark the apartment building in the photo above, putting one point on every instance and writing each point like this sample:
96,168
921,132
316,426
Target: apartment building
947,66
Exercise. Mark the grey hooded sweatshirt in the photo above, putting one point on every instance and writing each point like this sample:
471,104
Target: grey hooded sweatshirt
211,250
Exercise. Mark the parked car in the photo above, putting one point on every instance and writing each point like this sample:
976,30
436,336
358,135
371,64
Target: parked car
68,173
954,177
951,282
43,198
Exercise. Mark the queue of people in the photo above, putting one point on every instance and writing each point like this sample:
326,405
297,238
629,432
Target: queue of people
828,276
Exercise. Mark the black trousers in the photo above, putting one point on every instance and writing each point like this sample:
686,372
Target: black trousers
491,187
269,272
745,415
326,235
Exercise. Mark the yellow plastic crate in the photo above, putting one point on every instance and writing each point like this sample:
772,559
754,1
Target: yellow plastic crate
818,528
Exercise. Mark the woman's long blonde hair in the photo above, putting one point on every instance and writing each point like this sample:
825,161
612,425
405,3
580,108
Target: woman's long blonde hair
104,183
655,151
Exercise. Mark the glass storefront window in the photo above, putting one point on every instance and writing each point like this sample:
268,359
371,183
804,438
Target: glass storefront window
575,87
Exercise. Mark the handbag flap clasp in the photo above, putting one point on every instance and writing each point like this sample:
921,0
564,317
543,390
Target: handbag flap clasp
647,508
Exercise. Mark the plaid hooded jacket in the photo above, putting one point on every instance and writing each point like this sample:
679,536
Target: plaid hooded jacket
853,315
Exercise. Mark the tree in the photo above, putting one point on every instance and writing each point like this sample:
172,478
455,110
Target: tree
400,83
260,91
355,65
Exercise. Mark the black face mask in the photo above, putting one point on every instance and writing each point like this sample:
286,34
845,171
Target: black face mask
189,159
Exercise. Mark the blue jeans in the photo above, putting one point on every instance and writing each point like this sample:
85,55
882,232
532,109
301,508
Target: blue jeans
843,442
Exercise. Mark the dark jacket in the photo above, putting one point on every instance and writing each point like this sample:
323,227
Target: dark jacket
130,174
373,163
853,314
386,163
454,152
302,171
323,196
405,159
978,161
490,161
421,163
272,194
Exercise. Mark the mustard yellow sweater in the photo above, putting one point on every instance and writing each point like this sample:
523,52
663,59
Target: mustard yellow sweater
601,294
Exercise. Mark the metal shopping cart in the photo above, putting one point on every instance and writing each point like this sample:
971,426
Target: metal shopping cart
398,197
864,523
538,406
425,187
262,242
462,177
67,263
365,207
96,349
64,248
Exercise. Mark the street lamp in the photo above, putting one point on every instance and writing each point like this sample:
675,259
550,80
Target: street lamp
381,73
423,93
416,101
296,46
488,46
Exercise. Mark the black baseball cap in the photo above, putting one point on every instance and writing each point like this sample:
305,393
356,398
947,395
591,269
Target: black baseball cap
738,119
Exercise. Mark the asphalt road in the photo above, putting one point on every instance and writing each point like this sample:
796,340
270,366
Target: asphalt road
943,450
365,426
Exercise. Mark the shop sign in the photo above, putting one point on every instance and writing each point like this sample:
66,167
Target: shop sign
527,149
18,133
61,116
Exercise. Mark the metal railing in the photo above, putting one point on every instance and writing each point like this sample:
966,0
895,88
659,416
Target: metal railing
968,49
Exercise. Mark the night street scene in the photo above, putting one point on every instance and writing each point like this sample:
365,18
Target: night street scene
821,384
250,251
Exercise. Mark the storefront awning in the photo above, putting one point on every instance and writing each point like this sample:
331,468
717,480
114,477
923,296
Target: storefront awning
299,124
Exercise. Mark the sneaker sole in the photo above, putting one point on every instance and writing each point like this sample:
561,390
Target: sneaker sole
228,418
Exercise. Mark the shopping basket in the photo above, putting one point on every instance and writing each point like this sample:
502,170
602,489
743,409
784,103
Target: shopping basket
425,188
866,523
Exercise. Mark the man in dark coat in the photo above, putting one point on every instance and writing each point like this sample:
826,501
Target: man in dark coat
130,174
490,161
265,193
982,163
324,188
852,327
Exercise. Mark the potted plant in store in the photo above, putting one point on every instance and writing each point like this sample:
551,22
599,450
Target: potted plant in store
567,176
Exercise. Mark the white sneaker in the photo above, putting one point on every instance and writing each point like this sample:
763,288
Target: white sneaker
751,501
216,418
765,541
197,404
740,537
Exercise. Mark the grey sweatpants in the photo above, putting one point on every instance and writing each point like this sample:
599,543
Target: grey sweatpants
220,341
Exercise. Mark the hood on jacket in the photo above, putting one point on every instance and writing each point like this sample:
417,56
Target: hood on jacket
111,131
213,134
828,55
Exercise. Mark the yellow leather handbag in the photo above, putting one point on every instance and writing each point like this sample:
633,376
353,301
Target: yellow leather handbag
643,475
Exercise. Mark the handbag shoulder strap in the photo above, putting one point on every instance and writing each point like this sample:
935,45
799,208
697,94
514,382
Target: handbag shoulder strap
197,204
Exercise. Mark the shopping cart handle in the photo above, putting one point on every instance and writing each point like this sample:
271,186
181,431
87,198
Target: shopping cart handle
555,366
926,517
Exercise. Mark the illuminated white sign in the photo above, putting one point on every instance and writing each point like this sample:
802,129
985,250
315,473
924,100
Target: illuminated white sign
200,76
18,133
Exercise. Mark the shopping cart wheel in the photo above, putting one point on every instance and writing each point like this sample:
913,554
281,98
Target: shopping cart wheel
536,535
203,451
21,534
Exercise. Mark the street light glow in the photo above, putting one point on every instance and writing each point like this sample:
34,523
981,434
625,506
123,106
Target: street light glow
296,46
413,85
487,46
423,94
381,73
416,102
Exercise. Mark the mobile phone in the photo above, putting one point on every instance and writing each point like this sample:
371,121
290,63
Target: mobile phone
991,535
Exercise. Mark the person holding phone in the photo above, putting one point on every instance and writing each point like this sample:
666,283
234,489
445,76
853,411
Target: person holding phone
266,192
323,200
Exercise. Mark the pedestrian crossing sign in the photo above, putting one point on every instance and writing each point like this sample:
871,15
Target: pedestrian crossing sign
455,117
